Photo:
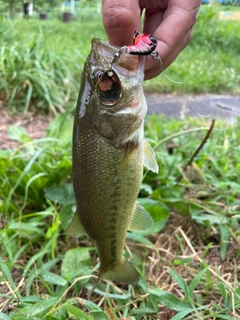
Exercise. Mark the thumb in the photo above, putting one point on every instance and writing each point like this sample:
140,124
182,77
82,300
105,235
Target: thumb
120,19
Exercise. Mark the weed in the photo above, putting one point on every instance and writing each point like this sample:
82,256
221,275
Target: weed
190,252
189,260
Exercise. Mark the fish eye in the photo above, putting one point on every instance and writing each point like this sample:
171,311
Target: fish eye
153,39
136,34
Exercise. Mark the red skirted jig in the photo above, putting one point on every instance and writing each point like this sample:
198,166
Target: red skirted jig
143,44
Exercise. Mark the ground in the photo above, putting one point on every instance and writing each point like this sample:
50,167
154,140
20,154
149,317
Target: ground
35,125
194,238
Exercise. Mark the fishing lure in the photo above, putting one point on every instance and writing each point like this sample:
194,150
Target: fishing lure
143,44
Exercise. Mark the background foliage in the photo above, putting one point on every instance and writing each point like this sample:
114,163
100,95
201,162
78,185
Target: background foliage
189,260
42,66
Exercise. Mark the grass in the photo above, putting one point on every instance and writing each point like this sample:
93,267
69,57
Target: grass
41,61
188,260
209,63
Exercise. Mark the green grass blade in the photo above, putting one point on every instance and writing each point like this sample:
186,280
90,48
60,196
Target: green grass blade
181,315
170,301
224,238
79,314
4,316
8,277
42,307
52,278
180,281
25,171
196,280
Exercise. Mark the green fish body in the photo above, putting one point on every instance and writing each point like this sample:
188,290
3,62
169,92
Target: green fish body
109,152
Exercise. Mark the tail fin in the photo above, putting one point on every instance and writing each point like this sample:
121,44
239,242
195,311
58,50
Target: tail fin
123,272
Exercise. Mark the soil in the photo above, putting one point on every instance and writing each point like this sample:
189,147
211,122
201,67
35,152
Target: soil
34,124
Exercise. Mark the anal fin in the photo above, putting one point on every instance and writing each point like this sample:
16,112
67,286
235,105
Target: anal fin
141,219
75,226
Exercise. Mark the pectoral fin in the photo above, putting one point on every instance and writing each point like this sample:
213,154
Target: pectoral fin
149,157
75,226
129,149
141,219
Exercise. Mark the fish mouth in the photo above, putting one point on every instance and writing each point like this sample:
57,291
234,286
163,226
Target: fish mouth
127,65
128,76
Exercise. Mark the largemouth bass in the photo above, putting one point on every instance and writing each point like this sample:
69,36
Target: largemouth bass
109,152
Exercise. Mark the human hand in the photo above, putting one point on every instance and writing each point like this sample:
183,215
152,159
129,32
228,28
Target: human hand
171,22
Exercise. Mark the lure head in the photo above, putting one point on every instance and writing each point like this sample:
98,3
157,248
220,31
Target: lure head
143,44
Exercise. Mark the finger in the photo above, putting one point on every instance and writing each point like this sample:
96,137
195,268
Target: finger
172,30
178,49
155,67
173,33
120,19
153,19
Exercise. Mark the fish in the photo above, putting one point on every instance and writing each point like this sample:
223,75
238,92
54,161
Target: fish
108,155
